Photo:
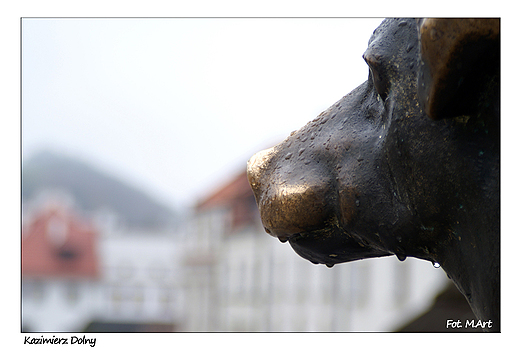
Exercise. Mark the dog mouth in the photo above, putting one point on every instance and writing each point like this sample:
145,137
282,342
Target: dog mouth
331,246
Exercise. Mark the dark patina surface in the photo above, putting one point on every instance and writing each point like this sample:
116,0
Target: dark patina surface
407,164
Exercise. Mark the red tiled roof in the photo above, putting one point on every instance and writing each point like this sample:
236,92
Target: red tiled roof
238,198
56,243
237,188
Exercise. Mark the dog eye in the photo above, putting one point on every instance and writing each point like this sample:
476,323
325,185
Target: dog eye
378,77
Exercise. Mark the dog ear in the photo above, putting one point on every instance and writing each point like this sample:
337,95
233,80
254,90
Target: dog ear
459,60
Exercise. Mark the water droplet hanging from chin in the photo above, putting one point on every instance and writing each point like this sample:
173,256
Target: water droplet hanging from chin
401,257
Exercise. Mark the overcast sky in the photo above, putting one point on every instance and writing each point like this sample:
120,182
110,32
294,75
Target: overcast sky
177,106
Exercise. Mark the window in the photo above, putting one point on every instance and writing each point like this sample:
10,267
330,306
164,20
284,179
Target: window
72,293
401,283
33,291
360,283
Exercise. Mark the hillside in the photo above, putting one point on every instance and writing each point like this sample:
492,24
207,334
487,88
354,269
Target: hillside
92,190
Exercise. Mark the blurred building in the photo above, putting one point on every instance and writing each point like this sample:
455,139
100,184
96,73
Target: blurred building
140,281
78,275
60,270
237,278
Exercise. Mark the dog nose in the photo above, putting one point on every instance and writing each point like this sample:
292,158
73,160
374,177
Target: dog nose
257,175
289,203
257,167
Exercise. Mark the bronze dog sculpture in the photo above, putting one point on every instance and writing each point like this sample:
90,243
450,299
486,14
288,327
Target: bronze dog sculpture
407,164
